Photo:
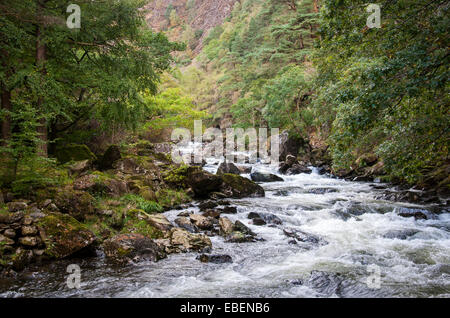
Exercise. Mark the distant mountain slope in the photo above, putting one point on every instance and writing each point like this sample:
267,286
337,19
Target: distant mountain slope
199,16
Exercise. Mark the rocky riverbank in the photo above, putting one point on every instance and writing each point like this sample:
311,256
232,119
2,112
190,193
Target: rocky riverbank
298,155
114,204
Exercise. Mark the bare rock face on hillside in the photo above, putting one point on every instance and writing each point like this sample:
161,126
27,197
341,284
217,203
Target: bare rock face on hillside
200,15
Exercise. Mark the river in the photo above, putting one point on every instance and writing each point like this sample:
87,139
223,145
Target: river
354,237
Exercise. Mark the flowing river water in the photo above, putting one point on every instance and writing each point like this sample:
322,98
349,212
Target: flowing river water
353,238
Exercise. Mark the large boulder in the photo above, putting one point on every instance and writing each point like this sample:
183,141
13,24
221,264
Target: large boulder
111,155
160,222
79,167
201,222
241,234
63,235
126,248
16,206
265,177
138,166
228,167
183,241
78,204
185,223
74,152
235,186
297,169
201,182
99,183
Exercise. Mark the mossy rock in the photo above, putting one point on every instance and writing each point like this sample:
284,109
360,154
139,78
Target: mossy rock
127,248
239,187
78,204
147,193
168,198
63,235
99,183
136,222
202,182
111,155
176,176
74,152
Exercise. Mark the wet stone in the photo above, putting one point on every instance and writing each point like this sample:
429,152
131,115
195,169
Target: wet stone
241,227
259,222
185,223
207,205
216,259
229,210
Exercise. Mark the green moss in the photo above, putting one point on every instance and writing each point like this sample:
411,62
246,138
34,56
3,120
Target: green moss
123,252
176,175
162,157
74,152
135,222
240,186
78,204
168,198
142,227
63,234
141,203
4,209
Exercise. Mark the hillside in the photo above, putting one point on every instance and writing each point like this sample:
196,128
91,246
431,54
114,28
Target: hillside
187,20
293,65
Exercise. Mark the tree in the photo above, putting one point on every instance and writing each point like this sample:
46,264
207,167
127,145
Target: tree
388,86
70,75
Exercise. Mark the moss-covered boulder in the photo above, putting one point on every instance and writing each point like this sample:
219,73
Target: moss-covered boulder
134,165
79,167
239,187
74,152
111,155
170,199
99,183
127,248
202,182
138,221
63,235
78,204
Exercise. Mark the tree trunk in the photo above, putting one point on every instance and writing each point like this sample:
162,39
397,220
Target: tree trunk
6,122
40,62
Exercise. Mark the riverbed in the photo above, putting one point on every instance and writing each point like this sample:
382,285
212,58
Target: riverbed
359,246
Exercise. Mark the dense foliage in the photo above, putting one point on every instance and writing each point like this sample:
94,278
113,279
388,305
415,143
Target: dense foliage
54,78
315,68
387,88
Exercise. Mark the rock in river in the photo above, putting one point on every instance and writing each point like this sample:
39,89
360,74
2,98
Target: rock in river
228,167
216,259
126,248
239,187
265,177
